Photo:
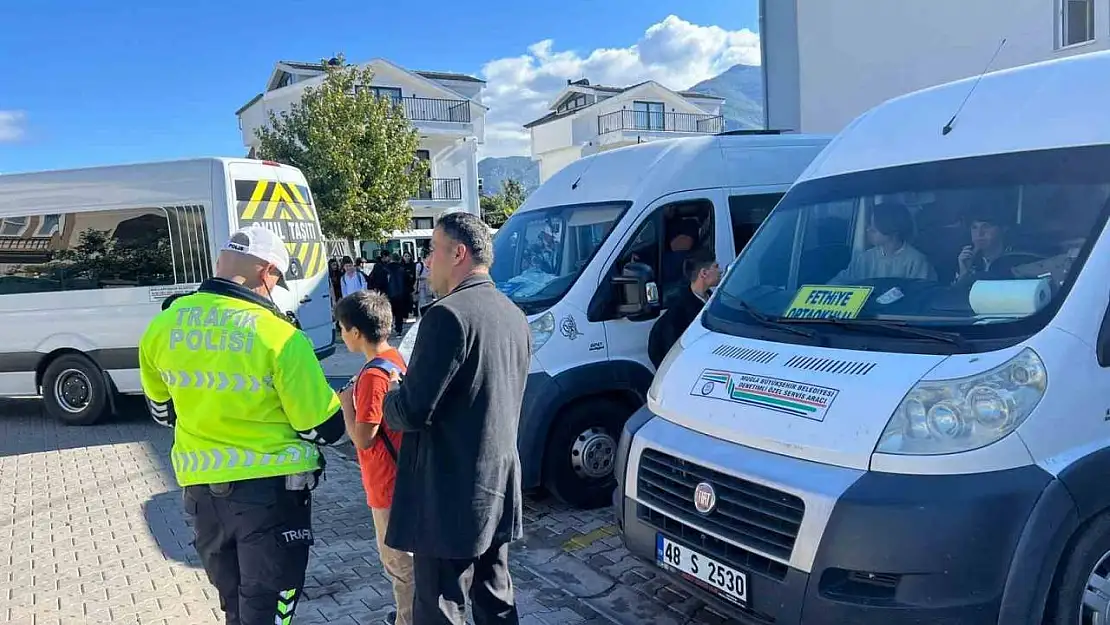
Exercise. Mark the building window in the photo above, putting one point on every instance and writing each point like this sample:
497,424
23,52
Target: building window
422,223
48,225
572,103
393,93
1077,22
12,226
648,115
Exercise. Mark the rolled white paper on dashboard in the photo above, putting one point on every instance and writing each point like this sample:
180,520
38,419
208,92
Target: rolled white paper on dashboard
1009,297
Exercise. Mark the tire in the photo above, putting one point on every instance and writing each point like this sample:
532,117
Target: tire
1088,557
580,452
75,391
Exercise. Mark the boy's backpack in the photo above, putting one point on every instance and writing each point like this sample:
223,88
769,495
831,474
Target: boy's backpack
388,367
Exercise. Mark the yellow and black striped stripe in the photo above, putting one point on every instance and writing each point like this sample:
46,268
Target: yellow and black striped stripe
271,199
310,256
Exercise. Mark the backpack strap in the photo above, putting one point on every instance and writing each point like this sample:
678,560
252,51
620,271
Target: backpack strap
388,367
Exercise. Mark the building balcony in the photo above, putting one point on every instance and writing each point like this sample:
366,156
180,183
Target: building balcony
436,110
627,126
440,190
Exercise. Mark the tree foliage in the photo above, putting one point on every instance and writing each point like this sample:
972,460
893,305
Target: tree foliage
497,208
357,151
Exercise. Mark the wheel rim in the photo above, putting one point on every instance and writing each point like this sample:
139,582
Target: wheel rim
73,390
593,453
1094,607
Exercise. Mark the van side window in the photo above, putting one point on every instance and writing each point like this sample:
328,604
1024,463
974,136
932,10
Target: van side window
192,248
746,213
666,238
93,250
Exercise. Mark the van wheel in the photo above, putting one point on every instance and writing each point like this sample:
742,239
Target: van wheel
581,450
1081,594
75,391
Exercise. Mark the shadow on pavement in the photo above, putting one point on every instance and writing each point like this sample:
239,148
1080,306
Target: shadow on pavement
169,526
25,428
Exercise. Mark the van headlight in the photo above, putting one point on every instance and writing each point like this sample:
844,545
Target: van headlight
951,416
542,328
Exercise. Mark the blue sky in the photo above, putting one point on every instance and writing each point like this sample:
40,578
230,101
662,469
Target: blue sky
88,83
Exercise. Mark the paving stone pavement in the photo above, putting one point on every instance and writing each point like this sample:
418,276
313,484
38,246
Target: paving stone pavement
92,531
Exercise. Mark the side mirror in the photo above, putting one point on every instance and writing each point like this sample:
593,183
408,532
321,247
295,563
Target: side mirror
637,293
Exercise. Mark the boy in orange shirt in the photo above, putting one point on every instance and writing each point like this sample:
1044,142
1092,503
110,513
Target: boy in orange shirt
366,321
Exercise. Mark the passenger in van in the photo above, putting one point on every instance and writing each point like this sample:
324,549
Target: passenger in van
678,249
890,254
989,256
703,274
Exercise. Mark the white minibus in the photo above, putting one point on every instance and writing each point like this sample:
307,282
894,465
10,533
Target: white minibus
88,255
896,407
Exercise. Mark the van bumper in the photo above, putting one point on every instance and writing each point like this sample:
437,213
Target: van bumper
871,548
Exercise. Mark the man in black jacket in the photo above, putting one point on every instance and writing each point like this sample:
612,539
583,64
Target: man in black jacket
457,501
704,274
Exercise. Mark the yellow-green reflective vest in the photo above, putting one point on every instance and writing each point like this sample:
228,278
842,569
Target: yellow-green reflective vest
243,381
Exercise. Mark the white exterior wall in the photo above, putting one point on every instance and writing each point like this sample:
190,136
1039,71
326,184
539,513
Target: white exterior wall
851,56
560,142
451,158
554,135
552,162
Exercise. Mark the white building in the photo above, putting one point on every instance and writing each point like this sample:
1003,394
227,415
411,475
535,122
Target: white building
445,108
586,118
828,61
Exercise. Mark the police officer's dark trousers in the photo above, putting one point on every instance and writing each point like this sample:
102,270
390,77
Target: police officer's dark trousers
253,538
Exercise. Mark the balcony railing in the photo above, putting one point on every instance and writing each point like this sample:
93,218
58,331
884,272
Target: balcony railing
435,110
440,189
658,121
432,109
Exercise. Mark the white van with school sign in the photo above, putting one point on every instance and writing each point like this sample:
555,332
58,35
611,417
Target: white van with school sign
896,407
88,255
581,243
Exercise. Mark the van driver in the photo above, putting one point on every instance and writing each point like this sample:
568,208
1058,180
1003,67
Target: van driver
890,254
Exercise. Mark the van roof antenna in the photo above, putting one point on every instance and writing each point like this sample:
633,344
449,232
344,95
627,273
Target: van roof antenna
948,127
584,171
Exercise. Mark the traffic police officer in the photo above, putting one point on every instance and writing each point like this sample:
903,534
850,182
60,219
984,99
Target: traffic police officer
249,405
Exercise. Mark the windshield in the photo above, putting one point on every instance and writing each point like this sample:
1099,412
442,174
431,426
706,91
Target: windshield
538,254
980,248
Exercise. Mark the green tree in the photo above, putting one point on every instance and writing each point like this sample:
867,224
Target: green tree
497,208
357,151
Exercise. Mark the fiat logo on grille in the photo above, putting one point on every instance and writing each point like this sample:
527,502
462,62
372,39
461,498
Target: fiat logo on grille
705,498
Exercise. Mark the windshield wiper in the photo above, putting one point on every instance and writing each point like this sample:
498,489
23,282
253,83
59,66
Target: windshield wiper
896,327
768,321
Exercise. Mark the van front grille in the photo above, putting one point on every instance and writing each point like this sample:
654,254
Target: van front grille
751,515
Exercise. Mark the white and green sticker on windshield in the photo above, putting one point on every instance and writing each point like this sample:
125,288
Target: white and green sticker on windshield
819,301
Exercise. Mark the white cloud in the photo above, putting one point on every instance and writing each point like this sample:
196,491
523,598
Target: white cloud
11,125
673,52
